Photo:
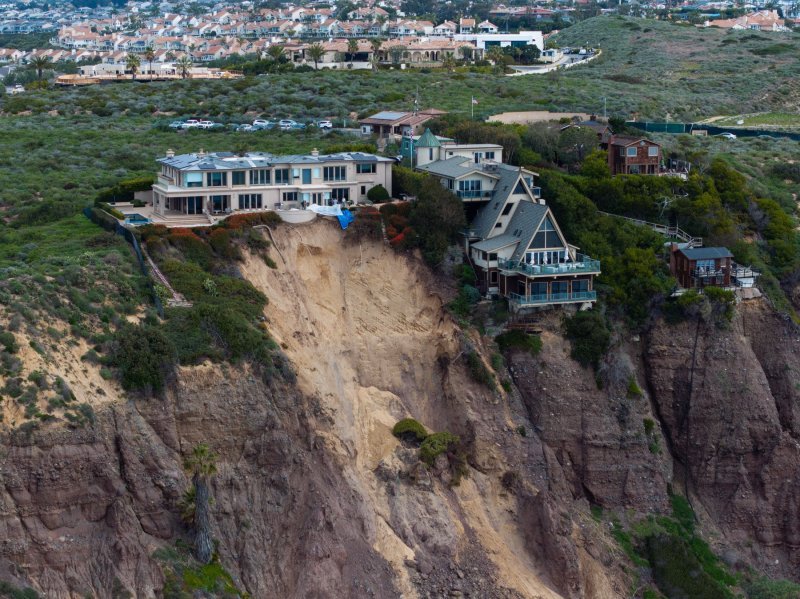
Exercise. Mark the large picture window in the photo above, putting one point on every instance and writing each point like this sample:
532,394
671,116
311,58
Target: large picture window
260,176
250,201
334,173
363,168
238,177
546,236
216,179
282,176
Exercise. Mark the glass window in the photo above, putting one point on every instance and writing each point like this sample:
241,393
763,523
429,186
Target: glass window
193,179
652,151
238,177
289,196
282,176
334,173
507,209
216,179
489,155
363,168
260,177
340,194
250,201
546,236
632,151
580,285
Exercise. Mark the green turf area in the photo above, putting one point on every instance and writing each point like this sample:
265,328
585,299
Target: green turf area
776,120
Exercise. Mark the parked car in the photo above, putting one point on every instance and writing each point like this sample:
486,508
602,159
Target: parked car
176,125
263,124
727,135
244,127
298,126
191,124
205,124
286,124
325,124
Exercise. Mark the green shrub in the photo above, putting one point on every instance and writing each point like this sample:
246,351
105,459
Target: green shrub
8,341
764,588
436,444
145,357
633,388
378,194
410,430
479,372
519,340
589,337
649,426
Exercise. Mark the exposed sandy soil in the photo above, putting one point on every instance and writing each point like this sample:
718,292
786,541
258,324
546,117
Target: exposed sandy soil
535,116
62,359
362,330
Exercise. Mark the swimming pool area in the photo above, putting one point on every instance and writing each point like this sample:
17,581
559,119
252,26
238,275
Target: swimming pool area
136,219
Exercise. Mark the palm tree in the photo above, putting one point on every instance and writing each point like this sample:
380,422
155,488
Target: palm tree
202,465
132,63
40,63
376,46
149,56
184,64
396,52
495,54
466,53
449,62
315,52
352,48
276,52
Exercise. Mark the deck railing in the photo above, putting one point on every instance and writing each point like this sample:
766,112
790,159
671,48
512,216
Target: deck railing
583,264
666,230
552,298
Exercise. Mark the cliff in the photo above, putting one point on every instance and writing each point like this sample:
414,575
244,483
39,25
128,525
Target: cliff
315,497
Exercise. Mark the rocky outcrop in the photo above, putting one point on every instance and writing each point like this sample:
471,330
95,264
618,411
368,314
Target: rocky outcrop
726,403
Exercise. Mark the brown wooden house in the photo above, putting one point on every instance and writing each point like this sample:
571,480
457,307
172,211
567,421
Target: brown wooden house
629,155
696,268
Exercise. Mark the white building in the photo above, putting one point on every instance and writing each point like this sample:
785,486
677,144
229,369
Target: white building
484,41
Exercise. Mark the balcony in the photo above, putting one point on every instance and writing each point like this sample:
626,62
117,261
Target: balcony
474,194
583,264
552,298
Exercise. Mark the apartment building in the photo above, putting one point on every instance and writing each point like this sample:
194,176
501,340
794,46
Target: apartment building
224,182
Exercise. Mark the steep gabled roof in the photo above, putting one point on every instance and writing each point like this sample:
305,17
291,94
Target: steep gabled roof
484,221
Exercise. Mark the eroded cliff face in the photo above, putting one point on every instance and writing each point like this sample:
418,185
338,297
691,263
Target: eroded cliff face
314,497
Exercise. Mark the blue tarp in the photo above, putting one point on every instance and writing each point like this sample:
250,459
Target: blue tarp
346,218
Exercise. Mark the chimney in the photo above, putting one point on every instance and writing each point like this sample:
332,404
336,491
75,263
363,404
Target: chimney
170,153
201,153
315,152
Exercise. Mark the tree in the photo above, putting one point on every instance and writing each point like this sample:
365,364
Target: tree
376,43
496,55
466,53
352,49
40,63
449,62
132,63
149,56
202,465
184,64
276,53
574,144
396,52
315,52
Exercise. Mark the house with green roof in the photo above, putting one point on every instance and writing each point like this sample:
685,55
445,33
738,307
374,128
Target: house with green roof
513,241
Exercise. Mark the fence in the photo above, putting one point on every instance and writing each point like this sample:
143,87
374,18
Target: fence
109,223
654,127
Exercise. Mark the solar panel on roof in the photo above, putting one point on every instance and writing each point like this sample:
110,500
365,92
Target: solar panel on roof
388,116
